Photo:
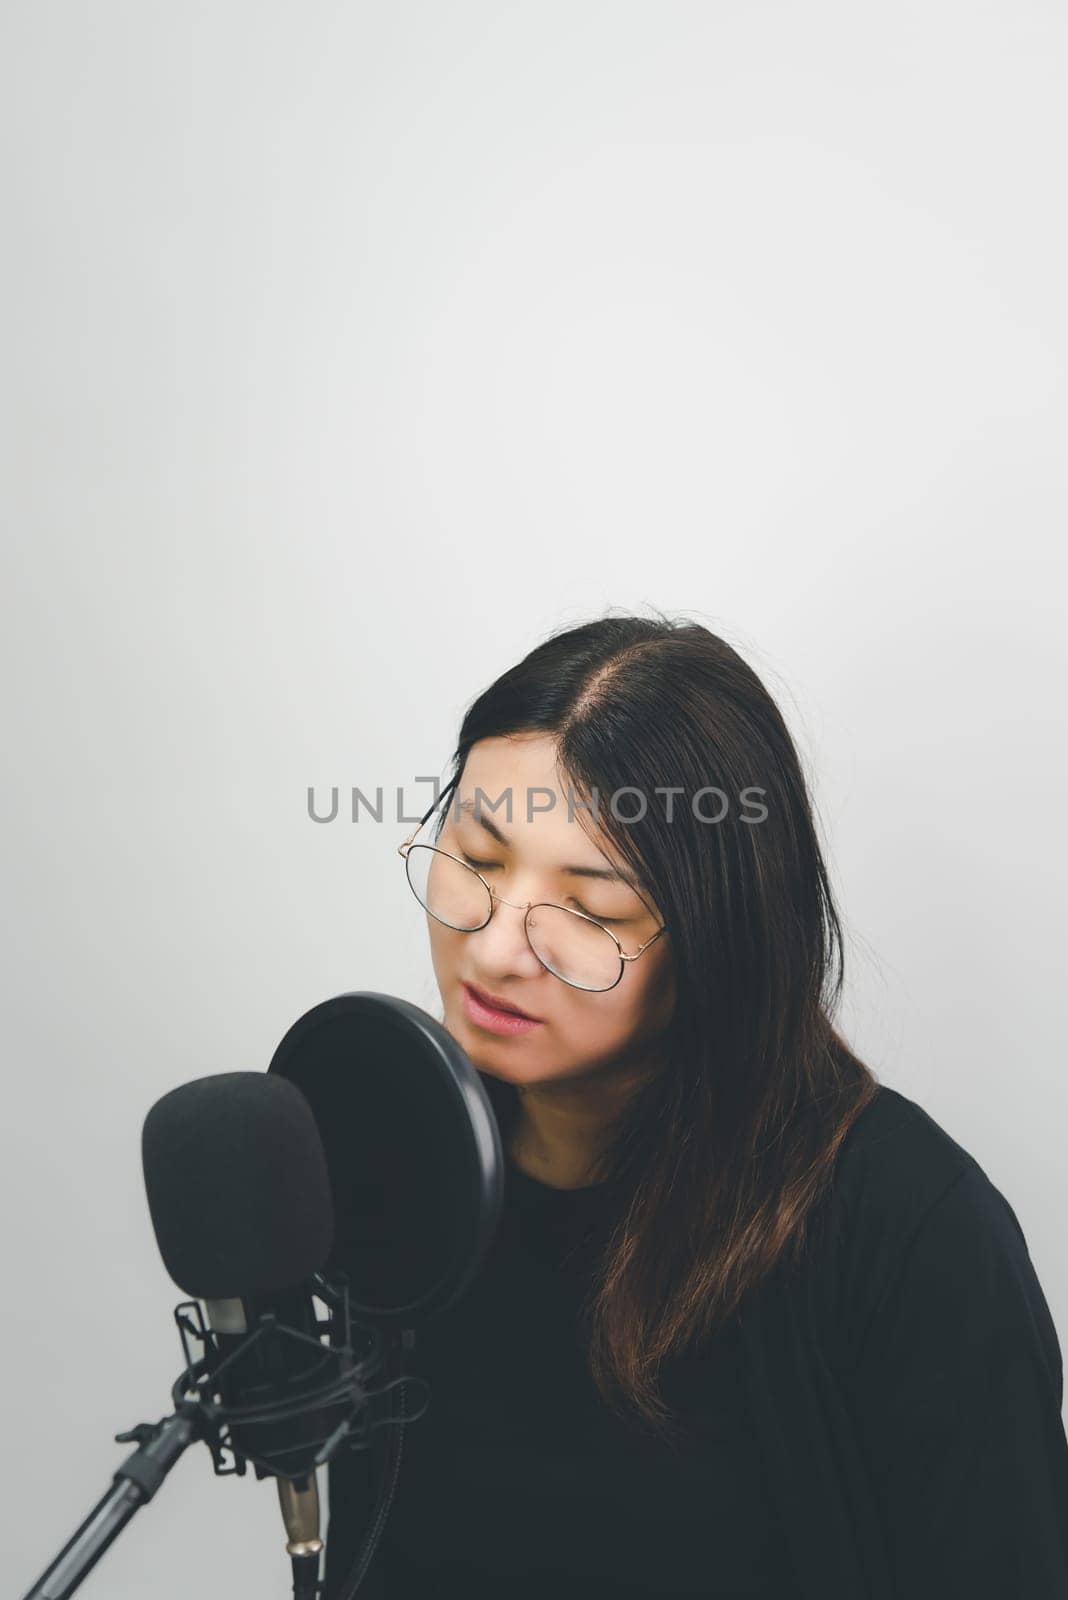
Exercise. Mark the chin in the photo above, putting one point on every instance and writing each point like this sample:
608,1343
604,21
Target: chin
492,1069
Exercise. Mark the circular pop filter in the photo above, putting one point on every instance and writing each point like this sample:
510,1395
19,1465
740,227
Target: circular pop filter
412,1147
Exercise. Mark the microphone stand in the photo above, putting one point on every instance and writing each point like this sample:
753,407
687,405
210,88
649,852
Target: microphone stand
198,1415
135,1482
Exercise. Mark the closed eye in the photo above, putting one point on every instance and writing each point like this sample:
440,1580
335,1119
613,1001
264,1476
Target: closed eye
473,862
606,922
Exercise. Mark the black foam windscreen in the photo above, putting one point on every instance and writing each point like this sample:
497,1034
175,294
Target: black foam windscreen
237,1184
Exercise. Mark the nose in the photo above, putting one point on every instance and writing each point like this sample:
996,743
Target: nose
514,903
504,943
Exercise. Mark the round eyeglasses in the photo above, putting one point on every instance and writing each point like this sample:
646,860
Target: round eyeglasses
569,944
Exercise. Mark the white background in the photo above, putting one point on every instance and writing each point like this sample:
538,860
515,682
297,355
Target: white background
347,350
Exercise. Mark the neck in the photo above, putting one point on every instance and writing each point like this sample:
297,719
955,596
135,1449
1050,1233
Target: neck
563,1128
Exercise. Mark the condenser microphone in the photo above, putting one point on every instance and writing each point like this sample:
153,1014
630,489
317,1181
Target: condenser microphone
239,1197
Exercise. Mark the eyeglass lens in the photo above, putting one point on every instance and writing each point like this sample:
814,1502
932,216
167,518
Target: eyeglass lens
580,952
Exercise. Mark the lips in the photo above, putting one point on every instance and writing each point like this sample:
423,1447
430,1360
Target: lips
498,1004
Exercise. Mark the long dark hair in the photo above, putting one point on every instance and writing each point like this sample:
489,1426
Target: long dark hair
717,1163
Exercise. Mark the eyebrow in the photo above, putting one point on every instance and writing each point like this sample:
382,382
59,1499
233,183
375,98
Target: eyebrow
610,874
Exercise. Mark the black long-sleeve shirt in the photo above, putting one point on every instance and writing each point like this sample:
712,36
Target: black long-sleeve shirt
883,1425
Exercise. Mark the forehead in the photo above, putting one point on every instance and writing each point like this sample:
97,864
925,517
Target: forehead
514,786
516,760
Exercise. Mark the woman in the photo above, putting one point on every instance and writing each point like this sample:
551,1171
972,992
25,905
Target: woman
753,1324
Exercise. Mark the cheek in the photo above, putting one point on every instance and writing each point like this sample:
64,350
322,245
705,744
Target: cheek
654,1002
611,1022
660,986
443,946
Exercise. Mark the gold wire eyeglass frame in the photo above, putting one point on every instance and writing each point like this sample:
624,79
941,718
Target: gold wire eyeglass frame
497,899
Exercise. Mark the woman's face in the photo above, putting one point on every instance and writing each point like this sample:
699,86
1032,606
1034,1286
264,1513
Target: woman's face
580,1034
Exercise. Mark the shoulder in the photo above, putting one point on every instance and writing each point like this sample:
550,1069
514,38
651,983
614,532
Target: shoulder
894,1167
898,1168
896,1162
914,1220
